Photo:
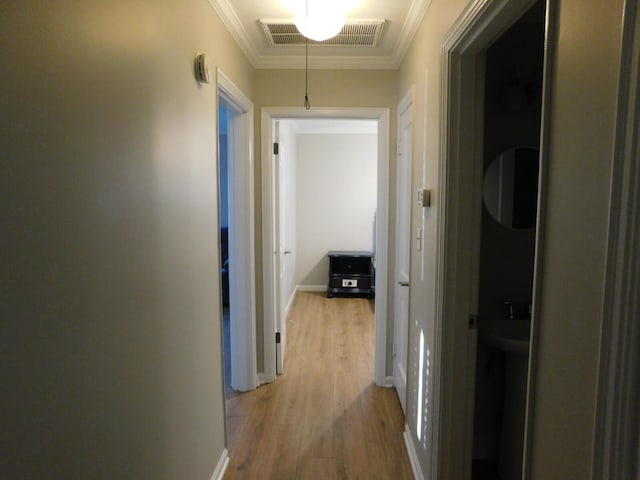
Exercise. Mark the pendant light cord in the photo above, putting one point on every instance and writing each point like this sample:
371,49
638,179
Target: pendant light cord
307,105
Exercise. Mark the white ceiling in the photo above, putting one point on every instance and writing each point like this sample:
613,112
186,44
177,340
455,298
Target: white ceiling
402,20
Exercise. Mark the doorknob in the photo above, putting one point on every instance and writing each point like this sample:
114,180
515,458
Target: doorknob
403,283
287,252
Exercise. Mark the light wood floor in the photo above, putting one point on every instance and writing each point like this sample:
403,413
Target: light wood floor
324,418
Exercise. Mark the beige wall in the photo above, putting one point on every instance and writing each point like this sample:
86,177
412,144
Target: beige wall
327,88
421,71
337,195
111,357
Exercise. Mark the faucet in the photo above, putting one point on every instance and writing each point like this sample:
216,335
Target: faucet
516,310
510,309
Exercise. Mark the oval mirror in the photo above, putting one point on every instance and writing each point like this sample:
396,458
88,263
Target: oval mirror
510,189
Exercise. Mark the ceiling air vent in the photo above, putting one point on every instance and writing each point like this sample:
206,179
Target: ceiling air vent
355,33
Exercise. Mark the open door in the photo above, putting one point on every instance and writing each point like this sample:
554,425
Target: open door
281,252
403,246
284,162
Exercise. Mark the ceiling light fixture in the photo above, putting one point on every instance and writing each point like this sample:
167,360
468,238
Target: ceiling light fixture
319,20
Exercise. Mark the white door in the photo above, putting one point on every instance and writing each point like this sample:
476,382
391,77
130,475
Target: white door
403,245
283,251
280,253
287,226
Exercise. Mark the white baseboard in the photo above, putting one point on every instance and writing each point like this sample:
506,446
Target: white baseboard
388,381
261,379
221,467
311,288
413,455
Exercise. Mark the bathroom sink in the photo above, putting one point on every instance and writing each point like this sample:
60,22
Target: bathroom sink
511,336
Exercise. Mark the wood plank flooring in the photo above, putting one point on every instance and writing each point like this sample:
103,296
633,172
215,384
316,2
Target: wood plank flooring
324,418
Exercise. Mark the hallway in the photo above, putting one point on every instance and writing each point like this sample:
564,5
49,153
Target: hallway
324,418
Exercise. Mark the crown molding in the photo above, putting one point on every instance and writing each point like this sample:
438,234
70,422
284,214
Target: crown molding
230,19
417,11
232,22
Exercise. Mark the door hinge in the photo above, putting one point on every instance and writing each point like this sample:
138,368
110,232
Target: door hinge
278,354
473,322
276,148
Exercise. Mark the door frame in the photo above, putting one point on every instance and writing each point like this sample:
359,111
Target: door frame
460,177
242,277
269,248
617,430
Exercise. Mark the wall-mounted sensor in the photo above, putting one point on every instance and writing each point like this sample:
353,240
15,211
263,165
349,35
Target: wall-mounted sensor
202,68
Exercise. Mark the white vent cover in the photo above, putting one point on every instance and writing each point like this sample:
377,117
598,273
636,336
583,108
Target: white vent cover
355,33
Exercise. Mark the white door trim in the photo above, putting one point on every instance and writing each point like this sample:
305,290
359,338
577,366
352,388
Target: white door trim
242,290
617,429
269,248
459,200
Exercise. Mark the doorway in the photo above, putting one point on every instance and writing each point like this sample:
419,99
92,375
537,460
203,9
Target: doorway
237,235
223,187
460,199
512,119
272,253
326,171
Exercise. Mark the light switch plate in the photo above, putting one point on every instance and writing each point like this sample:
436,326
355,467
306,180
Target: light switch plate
424,198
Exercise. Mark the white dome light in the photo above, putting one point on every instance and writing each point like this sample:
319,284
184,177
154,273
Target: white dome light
318,21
